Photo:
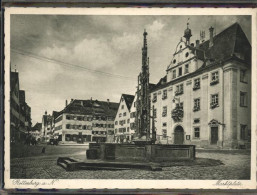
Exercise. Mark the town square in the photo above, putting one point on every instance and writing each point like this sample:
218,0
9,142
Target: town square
160,97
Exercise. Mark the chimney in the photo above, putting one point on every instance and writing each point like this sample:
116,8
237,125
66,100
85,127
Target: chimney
211,36
45,112
197,42
108,102
71,100
66,102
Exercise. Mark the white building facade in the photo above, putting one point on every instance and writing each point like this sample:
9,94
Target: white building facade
123,132
85,121
205,97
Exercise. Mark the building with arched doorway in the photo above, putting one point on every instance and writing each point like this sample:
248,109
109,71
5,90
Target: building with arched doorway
205,96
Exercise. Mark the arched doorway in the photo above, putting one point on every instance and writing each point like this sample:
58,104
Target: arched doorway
179,135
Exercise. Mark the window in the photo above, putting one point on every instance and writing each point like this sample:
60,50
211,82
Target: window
187,54
154,112
122,106
68,126
127,129
80,118
174,74
164,111
120,115
243,132
243,77
179,89
128,121
196,120
174,61
124,121
132,114
186,69
243,99
124,114
197,132
164,133
214,78
196,84
164,94
164,124
180,71
214,100
68,117
154,97
196,105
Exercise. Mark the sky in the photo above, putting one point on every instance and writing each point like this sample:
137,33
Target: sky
62,57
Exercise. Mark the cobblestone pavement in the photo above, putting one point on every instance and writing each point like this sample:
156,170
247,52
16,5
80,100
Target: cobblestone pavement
236,165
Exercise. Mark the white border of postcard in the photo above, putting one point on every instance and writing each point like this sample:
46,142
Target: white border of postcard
127,184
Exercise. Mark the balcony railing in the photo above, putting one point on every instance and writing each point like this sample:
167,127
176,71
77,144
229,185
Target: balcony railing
214,105
164,114
178,92
196,87
164,97
154,100
196,108
214,82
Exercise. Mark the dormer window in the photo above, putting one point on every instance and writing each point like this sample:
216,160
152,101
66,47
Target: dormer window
186,69
180,71
214,78
174,74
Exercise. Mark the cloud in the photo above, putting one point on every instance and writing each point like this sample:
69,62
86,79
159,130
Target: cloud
155,29
126,41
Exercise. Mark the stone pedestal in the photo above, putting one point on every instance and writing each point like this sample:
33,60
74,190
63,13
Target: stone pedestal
141,152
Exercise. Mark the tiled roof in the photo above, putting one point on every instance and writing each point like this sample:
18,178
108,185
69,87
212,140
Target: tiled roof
91,107
228,42
37,126
128,99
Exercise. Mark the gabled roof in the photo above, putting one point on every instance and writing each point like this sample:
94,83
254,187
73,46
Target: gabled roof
91,107
226,45
55,114
151,85
128,99
162,81
37,126
228,42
